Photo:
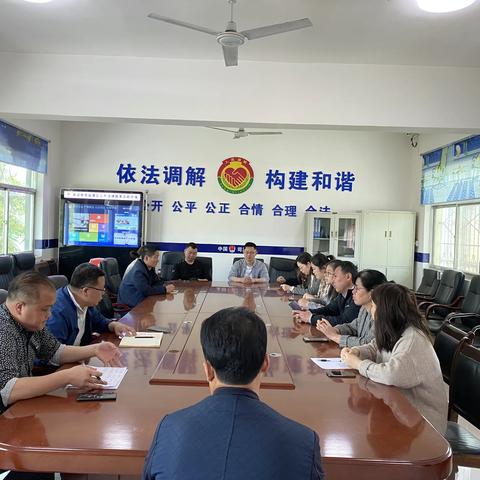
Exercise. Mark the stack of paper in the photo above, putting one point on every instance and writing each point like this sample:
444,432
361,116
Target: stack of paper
112,375
330,363
143,339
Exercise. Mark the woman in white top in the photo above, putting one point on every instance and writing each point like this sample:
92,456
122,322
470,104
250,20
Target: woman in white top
402,353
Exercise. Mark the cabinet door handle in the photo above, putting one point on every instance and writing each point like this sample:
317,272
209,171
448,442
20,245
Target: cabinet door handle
385,234
336,233
390,234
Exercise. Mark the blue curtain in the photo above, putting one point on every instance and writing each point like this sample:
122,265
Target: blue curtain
22,149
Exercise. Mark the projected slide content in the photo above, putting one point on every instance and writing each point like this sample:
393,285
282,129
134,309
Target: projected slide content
93,224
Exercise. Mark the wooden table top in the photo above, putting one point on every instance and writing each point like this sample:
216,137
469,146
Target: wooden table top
365,428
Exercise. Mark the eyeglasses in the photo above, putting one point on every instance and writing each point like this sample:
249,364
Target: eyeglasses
95,288
356,289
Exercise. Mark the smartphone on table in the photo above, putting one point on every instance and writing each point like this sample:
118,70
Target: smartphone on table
341,373
96,396
294,305
314,338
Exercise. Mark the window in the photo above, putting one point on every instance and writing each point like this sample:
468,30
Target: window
456,237
17,201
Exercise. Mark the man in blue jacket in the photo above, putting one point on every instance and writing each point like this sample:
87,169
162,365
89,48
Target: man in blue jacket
141,280
74,315
232,434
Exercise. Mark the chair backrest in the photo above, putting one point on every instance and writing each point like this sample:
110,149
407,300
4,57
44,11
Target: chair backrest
105,306
6,271
169,260
3,295
23,262
471,303
96,261
285,267
59,281
465,382
236,259
112,274
207,265
446,343
429,283
450,285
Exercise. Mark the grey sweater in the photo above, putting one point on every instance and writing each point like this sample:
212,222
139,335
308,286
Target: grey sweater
311,288
358,332
413,367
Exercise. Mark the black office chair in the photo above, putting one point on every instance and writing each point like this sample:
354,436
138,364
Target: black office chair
6,271
429,284
446,343
464,398
468,309
285,267
3,295
169,260
113,279
23,262
447,293
59,281
206,263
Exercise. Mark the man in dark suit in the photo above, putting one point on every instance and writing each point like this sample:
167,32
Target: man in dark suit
232,434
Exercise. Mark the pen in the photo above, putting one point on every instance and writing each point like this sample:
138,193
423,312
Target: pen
143,336
94,376
328,360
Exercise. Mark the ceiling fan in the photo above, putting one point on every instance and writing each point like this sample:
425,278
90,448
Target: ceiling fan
241,132
230,39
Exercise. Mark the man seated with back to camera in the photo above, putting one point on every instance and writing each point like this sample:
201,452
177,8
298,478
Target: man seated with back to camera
23,337
248,269
232,434
342,308
190,268
74,317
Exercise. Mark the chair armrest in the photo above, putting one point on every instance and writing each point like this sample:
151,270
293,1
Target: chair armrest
424,304
120,308
432,307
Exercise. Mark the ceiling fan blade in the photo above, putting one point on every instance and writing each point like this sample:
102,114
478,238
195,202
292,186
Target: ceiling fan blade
230,54
276,28
265,133
183,24
223,129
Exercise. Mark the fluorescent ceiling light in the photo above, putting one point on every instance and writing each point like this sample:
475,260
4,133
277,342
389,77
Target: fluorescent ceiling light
442,6
38,1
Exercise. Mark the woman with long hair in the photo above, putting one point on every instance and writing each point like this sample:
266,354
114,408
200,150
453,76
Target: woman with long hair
323,268
307,283
360,331
402,353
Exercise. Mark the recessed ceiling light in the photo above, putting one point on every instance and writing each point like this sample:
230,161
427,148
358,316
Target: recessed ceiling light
443,6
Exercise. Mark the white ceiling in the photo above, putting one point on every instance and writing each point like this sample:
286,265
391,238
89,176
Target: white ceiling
344,31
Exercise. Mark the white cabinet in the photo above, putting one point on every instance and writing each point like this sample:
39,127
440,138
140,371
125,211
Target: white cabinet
388,242
380,240
333,233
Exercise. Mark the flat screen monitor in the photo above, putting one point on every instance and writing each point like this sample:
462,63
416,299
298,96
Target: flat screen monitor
101,218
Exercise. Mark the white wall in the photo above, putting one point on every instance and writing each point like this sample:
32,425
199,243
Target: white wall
91,153
400,97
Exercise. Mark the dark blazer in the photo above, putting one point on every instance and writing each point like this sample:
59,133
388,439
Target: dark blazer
63,321
340,310
139,283
232,435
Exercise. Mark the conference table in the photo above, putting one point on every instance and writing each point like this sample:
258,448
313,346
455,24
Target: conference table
366,429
